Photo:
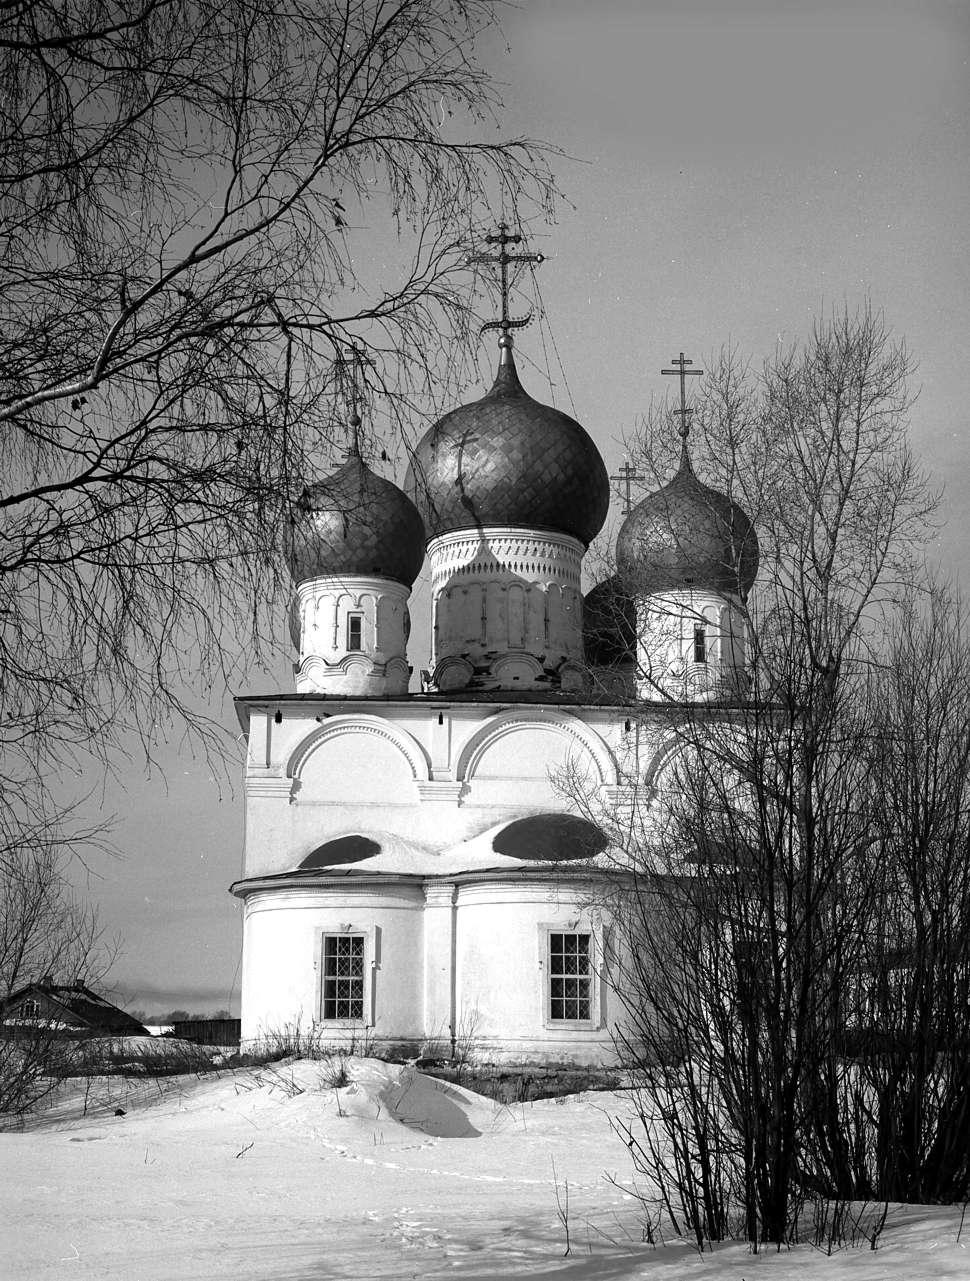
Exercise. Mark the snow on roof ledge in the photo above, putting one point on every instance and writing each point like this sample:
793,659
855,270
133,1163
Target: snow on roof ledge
534,839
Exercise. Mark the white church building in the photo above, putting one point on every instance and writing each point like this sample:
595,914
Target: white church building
412,873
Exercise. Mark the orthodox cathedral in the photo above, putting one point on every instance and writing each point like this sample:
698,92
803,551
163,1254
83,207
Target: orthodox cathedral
413,874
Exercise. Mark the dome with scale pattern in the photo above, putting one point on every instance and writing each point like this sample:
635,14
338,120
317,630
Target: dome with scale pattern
687,535
508,460
356,523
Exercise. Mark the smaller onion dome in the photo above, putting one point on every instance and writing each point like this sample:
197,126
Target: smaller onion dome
356,523
609,625
509,460
687,535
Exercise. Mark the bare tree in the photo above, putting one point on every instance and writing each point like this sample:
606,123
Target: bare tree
203,205
754,854
46,932
913,1026
207,208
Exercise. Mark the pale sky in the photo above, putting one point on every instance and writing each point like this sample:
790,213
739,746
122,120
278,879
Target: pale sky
738,166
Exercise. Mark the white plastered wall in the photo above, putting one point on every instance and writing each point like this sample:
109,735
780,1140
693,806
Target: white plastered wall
501,994
282,956
455,955
666,666
326,663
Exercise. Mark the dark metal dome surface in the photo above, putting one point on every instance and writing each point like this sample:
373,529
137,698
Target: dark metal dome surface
355,522
609,625
508,460
687,535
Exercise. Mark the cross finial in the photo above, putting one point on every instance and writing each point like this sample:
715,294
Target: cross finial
627,475
683,373
503,259
349,371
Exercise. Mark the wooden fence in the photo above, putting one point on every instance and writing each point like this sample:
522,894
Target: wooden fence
208,1031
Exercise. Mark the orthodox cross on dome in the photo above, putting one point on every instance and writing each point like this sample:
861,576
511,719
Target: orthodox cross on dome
627,475
503,260
348,368
683,373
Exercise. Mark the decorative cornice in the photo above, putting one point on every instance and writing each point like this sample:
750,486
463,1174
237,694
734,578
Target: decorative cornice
356,586
302,883
440,790
620,794
505,550
439,893
268,781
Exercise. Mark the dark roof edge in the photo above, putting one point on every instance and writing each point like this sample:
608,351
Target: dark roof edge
332,878
494,698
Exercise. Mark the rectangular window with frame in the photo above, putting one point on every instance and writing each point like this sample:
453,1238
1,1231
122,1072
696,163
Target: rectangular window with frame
355,631
343,976
700,644
570,977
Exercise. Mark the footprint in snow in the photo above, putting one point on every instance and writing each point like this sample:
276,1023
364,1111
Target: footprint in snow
414,1234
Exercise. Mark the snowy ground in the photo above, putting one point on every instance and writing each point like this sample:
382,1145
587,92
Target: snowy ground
270,1173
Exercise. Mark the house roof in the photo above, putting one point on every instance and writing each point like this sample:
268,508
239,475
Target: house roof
77,1004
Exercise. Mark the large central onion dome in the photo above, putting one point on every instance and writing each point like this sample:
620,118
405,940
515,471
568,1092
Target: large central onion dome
687,535
508,460
356,523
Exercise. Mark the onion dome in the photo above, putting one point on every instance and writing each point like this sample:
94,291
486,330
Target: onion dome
508,460
609,625
687,535
356,523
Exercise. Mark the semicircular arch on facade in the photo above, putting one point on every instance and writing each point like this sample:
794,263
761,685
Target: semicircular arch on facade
408,747
591,746
675,754
662,762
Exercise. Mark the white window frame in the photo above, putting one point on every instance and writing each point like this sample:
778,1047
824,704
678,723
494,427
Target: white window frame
594,931
371,949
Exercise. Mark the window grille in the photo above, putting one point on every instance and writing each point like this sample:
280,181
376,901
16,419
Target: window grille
343,976
355,631
570,978
30,1009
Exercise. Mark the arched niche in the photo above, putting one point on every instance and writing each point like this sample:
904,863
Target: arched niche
352,758
702,777
531,746
661,774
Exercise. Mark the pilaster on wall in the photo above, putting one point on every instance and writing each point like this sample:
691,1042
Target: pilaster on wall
439,965
506,609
